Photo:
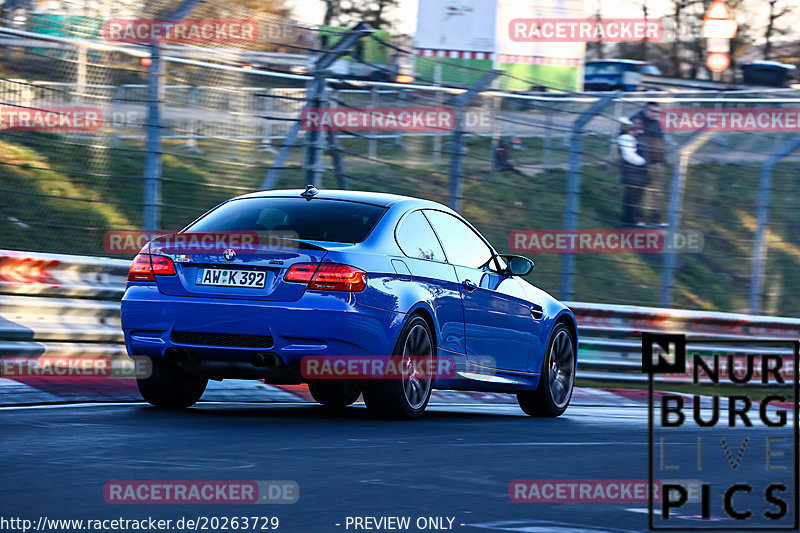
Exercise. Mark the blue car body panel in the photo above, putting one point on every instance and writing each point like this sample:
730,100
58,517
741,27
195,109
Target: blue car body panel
496,334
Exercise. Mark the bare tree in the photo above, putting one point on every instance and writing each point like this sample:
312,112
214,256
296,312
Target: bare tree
777,10
331,11
683,15
598,45
643,47
373,12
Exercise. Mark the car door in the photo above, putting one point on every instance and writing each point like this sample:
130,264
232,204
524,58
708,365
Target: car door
498,319
426,263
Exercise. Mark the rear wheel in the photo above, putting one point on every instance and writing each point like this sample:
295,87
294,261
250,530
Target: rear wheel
551,397
407,396
334,394
169,386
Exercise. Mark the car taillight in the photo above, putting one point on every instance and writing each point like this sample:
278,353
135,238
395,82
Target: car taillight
328,276
163,266
145,267
301,272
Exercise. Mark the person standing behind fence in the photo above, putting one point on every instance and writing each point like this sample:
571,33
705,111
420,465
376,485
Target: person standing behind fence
633,169
652,143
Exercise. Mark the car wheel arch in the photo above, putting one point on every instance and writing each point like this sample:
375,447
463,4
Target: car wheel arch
568,320
426,314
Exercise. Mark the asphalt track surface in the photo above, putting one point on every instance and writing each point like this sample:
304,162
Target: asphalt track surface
457,461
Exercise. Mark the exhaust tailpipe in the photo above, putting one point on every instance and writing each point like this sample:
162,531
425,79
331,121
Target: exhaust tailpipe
264,359
180,355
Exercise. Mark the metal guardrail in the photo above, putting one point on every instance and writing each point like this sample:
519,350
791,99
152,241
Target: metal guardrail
66,305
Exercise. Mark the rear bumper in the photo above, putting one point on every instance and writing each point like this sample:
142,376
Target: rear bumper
316,324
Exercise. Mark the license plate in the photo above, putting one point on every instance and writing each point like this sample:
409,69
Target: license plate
231,278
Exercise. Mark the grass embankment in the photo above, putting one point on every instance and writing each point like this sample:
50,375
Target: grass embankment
35,171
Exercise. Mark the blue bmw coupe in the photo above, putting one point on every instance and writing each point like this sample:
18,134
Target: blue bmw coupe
355,275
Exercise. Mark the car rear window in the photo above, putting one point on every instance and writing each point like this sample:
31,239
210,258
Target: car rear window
315,220
602,69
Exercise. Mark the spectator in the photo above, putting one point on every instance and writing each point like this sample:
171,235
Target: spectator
652,143
502,162
633,167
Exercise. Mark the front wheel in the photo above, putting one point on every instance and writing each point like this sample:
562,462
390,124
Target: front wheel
170,387
405,396
552,396
334,394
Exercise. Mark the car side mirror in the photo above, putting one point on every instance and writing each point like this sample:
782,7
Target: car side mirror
517,265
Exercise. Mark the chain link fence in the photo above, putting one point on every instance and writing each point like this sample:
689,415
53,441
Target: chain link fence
182,129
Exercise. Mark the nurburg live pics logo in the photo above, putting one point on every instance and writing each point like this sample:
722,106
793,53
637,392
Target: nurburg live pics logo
738,469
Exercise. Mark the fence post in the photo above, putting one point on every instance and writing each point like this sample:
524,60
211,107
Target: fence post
338,166
456,161
151,216
81,74
323,61
372,143
685,151
313,137
437,136
548,127
760,244
336,157
725,136
151,219
572,206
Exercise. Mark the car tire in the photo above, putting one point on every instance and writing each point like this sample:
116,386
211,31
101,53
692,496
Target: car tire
557,379
333,393
170,387
406,398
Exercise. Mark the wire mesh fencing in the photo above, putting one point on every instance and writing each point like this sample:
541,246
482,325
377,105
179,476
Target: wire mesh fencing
152,136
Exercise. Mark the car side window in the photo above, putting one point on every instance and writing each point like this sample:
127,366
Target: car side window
461,244
416,238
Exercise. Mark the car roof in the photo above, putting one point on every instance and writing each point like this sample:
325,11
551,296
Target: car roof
769,64
626,61
372,198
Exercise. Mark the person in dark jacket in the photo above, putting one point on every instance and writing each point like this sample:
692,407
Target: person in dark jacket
502,161
633,169
652,143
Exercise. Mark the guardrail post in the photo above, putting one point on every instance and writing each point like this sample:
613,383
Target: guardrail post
760,244
456,161
152,163
685,151
572,206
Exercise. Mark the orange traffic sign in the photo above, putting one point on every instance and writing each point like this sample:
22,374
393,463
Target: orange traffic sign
717,61
718,10
718,22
